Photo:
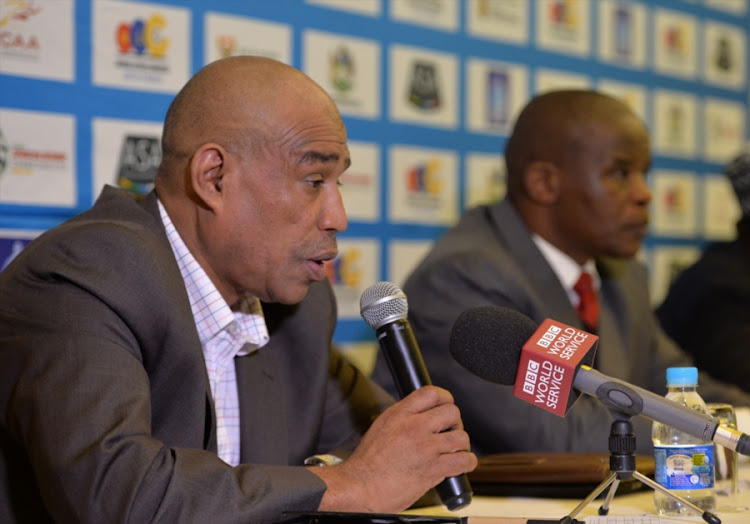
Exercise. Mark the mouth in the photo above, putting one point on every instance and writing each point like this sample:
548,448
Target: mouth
640,227
317,264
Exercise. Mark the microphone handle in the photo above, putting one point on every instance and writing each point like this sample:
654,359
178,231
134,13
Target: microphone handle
410,373
403,356
633,400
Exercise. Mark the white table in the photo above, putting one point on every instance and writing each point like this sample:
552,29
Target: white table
639,503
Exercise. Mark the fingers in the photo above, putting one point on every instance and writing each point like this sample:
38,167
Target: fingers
453,464
433,410
453,441
425,398
435,406
411,447
443,418
436,425
435,442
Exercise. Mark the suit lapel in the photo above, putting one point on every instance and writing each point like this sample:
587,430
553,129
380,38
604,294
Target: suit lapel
616,360
150,204
545,289
261,392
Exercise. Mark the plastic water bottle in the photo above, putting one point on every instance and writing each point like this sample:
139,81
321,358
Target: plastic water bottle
684,463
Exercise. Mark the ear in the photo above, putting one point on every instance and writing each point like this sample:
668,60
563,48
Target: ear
541,182
207,171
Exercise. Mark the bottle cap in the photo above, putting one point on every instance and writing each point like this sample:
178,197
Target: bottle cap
682,376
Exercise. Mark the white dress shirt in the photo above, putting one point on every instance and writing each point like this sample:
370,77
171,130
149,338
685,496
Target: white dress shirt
567,269
223,334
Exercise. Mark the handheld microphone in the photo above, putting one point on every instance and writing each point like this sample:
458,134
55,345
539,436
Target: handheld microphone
490,341
384,308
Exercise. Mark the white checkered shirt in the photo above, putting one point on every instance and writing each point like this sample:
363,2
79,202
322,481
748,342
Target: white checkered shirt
224,334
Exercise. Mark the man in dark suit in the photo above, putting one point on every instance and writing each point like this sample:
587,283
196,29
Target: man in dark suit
577,203
169,359
707,308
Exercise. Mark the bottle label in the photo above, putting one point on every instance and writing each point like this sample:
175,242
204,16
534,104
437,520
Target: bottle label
684,467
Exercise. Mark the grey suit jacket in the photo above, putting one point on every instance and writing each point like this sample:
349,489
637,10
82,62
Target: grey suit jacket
106,413
489,258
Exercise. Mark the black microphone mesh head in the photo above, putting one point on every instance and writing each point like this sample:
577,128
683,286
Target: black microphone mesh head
381,303
487,340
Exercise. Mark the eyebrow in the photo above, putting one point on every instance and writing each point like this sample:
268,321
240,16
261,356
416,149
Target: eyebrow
312,157
623,161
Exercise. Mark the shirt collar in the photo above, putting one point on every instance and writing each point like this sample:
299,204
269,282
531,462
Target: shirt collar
211,312
566,269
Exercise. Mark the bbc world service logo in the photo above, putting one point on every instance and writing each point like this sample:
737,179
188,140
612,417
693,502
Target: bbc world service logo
532,372
549,336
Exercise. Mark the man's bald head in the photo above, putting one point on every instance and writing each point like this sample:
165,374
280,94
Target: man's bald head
553,126
235,102
253,153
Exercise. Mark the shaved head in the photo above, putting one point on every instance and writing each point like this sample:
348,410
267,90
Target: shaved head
253,150
554,126
218,103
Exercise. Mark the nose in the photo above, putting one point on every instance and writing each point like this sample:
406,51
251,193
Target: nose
333,217
641,191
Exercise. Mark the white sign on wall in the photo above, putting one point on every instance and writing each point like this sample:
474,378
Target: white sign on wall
501,20
347,68
360,184
674,203
37,39
140,45
552,79
362,7
423,185
226,35
674,123
563,27
126,154
723,129
485,176
423,87
352,271
725,55
403,257
495,94
438,14
37,158
675,38
622,33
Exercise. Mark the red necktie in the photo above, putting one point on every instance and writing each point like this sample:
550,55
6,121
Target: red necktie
588,307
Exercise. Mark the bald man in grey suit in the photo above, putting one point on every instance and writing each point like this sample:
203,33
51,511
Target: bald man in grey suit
577,200
169,358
